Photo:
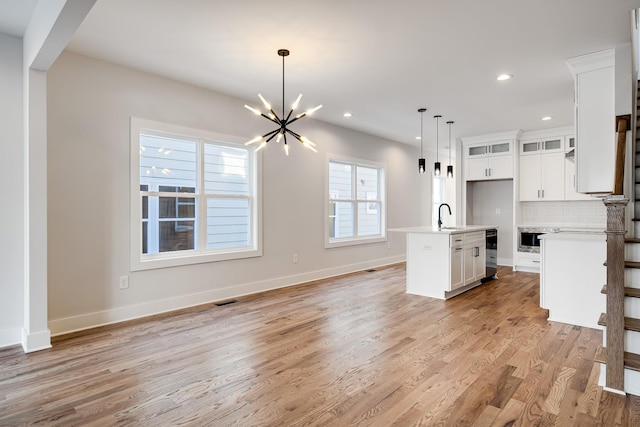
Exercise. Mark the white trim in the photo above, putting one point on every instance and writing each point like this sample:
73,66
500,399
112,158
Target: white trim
100,318
10,337
351,241
592,61
36,341
173,259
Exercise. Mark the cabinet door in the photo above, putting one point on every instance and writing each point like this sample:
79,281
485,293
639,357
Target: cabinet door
476,169
457,268
477,150
529,178
552,176
553,145
469,265
500,148
595,130
500,167
529,147
481,261
570,178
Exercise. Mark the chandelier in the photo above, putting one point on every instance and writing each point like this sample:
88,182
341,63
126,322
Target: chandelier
280,133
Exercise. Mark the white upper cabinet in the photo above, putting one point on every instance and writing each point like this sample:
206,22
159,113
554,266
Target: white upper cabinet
594,79
488,160
570,179
541,176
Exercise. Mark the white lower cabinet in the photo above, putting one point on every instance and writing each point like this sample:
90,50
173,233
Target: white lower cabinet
457,267
527,261
475,256
441,264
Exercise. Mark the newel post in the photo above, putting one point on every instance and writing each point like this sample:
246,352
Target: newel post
616,205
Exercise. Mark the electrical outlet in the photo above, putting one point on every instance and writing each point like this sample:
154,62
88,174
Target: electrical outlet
497,211
124,282
388,245
295,258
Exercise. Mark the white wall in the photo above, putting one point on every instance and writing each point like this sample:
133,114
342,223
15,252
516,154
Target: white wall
484,199
89,106
11,175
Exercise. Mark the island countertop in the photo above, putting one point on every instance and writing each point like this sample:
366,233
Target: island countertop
444,230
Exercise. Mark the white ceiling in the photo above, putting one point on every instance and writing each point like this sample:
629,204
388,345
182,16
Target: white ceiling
15,15
380,60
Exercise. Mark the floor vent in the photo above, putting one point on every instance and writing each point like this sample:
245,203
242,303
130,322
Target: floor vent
371,270
221,303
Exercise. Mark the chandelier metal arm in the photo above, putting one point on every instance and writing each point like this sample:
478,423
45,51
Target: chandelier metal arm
298,117
271,119
270,135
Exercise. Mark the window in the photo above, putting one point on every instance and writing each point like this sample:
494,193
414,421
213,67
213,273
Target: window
194,197
355,203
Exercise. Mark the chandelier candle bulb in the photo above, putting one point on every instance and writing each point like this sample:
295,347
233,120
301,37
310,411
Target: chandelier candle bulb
264,101
253,110
296,102
313,110
253,141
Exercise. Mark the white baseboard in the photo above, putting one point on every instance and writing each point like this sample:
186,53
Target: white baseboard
631,381
505,262
36,341
10,337
120,314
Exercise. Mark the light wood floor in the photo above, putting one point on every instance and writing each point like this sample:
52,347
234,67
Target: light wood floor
355,350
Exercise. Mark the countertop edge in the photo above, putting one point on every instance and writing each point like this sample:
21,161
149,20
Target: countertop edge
435,230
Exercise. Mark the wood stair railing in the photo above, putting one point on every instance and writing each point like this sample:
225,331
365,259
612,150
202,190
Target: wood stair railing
615,289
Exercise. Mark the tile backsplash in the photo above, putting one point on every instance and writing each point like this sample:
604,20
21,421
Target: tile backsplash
583,213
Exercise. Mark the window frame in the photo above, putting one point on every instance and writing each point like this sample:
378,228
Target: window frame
330,242
140,261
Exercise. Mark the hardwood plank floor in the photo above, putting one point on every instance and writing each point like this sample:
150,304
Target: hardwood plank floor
353,350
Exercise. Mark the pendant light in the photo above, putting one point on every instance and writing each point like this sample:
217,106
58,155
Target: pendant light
282,129
436,169
422,163
450,166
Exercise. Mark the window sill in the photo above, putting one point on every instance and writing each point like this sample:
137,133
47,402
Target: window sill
338,243
176,259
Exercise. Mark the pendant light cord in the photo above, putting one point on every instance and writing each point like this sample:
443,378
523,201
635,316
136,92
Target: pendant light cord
421,133
449,123
437,139
283,86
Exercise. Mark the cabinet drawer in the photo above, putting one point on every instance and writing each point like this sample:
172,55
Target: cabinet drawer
456,240
528,260
476,236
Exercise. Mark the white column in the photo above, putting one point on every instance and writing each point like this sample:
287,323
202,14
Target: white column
35,333
52,24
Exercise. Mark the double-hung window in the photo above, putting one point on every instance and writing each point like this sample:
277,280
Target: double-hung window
356,208
194,197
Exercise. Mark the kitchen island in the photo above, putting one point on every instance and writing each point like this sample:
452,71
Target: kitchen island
443,263
572,275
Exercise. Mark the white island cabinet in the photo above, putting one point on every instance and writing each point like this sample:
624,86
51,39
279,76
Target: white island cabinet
442,263
572,275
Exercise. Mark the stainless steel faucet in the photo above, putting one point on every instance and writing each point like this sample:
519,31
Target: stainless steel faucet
439,215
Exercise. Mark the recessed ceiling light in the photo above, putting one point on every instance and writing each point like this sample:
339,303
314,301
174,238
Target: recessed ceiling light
502,77
347,114
545,118
418,138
